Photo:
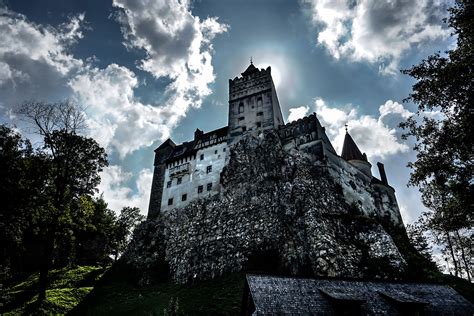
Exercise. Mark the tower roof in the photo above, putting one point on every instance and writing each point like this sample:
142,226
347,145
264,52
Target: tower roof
250,70
350,151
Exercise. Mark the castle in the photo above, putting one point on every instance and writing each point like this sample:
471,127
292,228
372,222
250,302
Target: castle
192,170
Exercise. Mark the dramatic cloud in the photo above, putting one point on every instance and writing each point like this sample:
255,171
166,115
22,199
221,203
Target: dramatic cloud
34,60
36,63
177,45
297,113
376,136
116,118
377,31
117,192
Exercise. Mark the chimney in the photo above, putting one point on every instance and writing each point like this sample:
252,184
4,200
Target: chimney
383,176
198,133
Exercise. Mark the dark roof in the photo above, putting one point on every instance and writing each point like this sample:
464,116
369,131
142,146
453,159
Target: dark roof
166,143
187,149
250,70
350,151
299,296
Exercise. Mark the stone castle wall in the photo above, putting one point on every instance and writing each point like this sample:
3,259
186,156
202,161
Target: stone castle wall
279,209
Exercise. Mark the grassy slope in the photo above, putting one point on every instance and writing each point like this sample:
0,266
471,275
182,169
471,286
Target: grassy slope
67,288
115,296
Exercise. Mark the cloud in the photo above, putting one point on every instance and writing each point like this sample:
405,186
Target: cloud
117,192
177,44
116,118
34,60
297,113
376,136
36,63
377,31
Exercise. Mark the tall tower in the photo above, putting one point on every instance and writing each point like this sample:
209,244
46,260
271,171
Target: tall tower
253,103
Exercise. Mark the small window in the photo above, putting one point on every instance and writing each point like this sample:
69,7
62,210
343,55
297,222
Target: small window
209,169
241,107
170,201
168,184
201,157
215,152
244,128
241,118
223,150
180,179
259,102
209,186
184,197
200,188
259,113
259,124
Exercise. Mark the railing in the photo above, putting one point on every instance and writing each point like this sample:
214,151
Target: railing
179,170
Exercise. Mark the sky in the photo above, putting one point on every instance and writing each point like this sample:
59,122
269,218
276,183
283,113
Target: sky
146,70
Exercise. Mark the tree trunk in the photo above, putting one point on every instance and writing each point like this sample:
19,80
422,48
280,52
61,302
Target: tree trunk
463,256
44,270
451,250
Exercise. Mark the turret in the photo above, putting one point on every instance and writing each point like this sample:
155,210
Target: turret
352,154
161,154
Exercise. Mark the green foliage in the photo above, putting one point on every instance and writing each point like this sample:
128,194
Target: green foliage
128,219
67,288
444,166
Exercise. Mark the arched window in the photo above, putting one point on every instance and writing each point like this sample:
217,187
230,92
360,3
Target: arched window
241,107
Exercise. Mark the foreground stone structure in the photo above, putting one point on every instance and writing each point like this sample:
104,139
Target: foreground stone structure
269,295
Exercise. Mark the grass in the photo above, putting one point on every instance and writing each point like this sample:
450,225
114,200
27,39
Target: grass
220,296
90,290
67,287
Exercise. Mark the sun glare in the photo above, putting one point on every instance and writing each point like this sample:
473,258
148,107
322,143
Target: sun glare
276,74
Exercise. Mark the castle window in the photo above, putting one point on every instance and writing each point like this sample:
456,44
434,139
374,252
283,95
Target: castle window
180,179
209,169
223,150
244,128
259,113
259,124
170,201
200,188
241,107
215,152
241,118
259,102
168,184
209,186
202,157
184,197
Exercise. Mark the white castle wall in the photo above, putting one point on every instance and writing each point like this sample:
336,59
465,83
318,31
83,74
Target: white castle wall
195,176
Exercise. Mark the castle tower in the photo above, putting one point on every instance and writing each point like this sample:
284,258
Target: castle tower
253,103
352,154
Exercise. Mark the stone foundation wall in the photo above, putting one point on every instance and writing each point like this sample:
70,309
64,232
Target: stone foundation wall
278,211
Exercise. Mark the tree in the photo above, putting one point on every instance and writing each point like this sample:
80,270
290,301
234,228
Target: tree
75,164
443,128
129,218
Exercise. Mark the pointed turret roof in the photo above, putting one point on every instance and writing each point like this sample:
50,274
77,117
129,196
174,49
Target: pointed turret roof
250,70
350,151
